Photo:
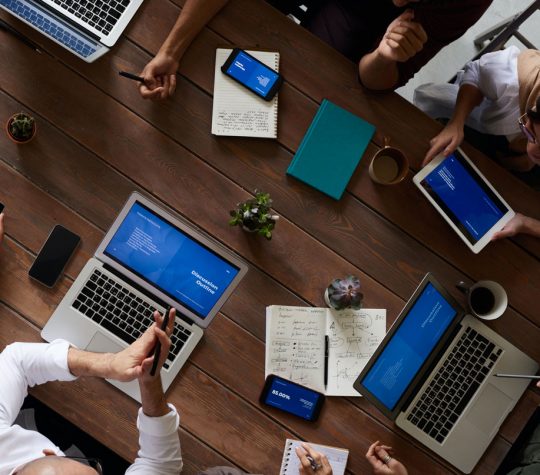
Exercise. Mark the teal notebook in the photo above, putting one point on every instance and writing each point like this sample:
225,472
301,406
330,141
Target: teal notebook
331,149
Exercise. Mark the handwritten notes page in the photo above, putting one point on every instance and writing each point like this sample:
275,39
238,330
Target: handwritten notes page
353,337
295,344
237,111
337,458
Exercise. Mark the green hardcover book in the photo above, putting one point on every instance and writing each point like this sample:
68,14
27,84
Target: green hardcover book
331,149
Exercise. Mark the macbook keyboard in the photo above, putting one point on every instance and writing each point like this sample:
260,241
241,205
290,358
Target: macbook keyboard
454,385
114,307
99,14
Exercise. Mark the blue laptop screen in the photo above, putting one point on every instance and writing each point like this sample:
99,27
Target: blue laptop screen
409,347
170,260
464,196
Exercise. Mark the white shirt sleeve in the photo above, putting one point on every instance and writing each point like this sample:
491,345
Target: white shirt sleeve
24,365
159,452
471,74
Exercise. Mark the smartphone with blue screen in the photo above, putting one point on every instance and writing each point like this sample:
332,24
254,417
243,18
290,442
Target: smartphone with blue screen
252,74
292,398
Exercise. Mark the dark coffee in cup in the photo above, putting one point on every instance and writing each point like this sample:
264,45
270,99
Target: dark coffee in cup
482,300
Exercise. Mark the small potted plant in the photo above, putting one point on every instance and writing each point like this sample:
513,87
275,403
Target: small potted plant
255,216
344,293
21,128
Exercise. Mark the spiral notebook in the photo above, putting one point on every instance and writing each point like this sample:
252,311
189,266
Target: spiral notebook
337,458
237,111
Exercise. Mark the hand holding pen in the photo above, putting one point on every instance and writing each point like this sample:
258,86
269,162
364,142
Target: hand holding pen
312,462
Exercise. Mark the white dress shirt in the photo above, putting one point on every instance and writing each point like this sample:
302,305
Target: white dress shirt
495,74
28,364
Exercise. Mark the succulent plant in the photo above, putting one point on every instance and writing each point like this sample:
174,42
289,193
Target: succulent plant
21,127
344,293
254,215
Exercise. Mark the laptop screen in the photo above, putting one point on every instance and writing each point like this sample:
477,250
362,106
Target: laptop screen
169,259
464,197
410,346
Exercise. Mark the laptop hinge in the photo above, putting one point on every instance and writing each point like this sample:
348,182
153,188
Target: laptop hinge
142,290
429,369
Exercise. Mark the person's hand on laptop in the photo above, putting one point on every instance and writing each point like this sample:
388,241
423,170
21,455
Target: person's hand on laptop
159,77
136,360
445,142
380,458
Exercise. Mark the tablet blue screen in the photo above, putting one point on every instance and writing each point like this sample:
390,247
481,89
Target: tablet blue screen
168,258
253,74
464,197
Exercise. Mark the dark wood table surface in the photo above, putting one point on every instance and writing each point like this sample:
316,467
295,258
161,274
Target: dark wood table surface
98,141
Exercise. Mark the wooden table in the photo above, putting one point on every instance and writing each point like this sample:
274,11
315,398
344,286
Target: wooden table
98,141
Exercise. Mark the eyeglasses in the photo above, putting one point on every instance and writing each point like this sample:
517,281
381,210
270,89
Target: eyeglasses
530,135
93,462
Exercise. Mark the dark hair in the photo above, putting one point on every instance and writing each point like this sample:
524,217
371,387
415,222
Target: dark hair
534,115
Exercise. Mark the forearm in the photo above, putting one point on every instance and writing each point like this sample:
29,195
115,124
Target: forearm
192,19
153,400
468,98
378,73
85,363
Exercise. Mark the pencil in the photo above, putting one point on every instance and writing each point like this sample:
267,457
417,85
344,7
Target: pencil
134,77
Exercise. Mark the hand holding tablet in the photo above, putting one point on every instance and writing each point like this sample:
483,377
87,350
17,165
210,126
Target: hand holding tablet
464,198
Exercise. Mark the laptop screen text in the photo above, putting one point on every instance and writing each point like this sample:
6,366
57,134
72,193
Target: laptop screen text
170,260
409,347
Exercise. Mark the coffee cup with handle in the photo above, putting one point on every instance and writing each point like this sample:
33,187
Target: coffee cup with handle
389,165
486,299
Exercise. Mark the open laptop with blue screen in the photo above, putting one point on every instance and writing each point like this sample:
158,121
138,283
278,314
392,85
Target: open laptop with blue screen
465,199
150,259
433,374
86,28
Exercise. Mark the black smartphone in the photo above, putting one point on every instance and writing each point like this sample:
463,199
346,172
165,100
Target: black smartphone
292,398
54,255
252,74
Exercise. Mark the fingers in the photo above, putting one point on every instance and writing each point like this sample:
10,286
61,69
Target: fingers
172,85
152,94
538,384
306,466
372,457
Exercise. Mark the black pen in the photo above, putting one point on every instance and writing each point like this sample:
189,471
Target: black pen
312,462
157,349
7,27
520,376
326,345
134,77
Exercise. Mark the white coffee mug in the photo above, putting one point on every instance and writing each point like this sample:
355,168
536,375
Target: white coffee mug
494,297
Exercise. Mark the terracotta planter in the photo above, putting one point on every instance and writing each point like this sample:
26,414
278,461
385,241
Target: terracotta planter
15,140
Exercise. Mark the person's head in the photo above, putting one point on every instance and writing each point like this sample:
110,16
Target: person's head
532,132
53,465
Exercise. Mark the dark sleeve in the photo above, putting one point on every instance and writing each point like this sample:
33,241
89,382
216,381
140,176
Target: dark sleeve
443,24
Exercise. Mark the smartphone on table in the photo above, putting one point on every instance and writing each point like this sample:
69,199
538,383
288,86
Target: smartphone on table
54,255
292,398
252,74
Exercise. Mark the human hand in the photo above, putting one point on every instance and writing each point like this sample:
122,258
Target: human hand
446,142
403,39
383,463
136,360
318,458
513,227
159,77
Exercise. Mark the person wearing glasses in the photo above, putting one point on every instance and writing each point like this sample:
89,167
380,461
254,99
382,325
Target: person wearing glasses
495,105
390,40
23,365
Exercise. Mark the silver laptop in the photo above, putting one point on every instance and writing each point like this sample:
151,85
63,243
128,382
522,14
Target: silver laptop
149,259
87,28
433,374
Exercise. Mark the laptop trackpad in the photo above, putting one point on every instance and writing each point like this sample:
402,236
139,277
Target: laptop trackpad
102,344
489,408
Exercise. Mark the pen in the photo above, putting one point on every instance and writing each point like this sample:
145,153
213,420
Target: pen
520,376
326,344
311,461
7,27
157,349
131,76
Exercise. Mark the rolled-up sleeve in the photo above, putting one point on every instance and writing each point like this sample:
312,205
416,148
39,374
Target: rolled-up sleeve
471,74
24,365
159,445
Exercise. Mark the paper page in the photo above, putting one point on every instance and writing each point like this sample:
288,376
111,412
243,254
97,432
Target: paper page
237,111
353,337
295,344
291,463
